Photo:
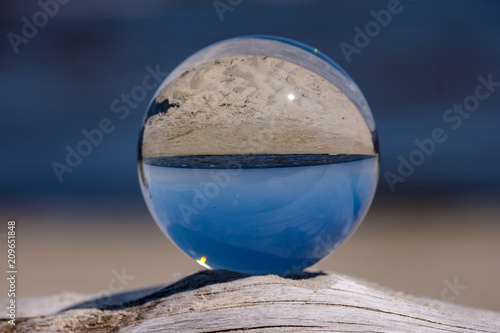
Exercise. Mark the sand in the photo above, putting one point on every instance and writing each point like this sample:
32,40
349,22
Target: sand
412,246
254,105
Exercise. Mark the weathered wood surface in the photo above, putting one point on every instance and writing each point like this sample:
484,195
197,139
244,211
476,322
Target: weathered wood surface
221,301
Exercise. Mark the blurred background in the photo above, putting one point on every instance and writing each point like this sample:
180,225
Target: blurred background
438,228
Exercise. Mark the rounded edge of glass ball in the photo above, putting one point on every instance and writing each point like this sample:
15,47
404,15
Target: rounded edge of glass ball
347,86
293,51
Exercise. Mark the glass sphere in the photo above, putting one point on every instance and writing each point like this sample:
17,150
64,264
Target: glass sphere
258,155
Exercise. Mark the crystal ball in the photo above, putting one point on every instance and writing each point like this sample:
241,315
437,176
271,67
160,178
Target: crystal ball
259,155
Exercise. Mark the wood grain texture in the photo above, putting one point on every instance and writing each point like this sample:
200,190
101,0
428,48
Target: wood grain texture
221,301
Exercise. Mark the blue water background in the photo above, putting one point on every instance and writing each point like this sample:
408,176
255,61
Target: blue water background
65,79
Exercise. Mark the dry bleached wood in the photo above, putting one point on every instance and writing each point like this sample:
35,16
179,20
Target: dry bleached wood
221,301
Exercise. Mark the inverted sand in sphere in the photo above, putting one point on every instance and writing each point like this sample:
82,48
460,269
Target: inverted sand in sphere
254,105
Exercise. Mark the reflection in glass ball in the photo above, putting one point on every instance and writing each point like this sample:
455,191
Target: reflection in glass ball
258,155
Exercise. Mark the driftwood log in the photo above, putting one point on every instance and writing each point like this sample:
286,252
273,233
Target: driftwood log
222,301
